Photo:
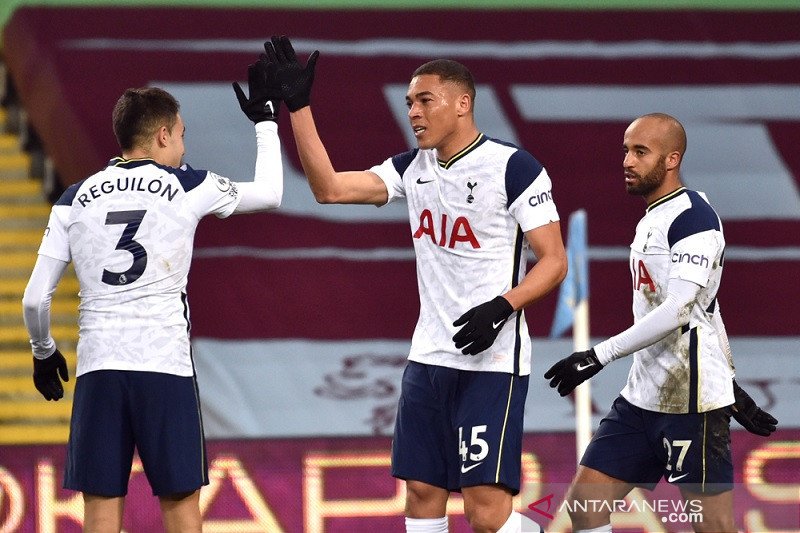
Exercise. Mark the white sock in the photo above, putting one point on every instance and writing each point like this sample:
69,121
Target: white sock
426,525
601,529
513,524
518,523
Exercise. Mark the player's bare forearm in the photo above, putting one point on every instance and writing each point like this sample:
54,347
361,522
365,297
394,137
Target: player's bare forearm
548,271
327,185
313,156
542,278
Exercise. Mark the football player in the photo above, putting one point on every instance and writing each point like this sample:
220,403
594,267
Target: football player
129,230
672,418
474,205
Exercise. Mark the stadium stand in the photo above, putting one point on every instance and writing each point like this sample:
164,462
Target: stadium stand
24,208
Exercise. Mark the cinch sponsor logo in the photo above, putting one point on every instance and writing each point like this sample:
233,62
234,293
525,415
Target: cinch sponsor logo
690,258
541,198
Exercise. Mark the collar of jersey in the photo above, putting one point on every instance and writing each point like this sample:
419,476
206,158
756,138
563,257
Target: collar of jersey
666,198
121,162
470,147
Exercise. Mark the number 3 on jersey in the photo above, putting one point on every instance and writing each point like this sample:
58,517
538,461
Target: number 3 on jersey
132,220
475,440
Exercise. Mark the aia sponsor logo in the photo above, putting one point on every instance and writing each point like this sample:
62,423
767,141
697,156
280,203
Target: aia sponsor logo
641,277
446,235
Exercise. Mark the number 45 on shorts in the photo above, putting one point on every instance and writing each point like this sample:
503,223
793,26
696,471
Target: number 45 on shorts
476,443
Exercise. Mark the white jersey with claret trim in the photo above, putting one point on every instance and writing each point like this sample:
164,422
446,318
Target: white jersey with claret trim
468,217
688,371
129,231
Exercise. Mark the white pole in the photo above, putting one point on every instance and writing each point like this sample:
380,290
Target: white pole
573,310
583,394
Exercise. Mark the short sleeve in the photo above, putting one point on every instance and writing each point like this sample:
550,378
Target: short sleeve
216,194
534,206
695,242
693,257
55,241
391,173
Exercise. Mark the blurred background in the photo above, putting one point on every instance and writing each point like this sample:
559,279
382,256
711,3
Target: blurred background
302,318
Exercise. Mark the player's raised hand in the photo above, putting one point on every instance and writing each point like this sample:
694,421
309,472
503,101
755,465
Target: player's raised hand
573,370
481,324
749,415
45,375
295,80
264,93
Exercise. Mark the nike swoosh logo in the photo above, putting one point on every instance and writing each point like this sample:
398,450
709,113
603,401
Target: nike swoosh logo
419,180
496,325
582,367
466,469
674,479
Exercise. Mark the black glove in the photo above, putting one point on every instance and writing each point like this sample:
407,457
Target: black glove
295,81
749,415
573,370
482,323
265,95
45,375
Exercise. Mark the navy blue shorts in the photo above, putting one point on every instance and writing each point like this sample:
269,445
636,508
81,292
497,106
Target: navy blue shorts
114,411
639,446
459,428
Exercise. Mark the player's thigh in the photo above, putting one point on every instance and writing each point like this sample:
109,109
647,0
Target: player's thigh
621,448
488,422
101,443
168,428
181,513
102,514
424,500
716,510
590,485
487,505
423,441
696,451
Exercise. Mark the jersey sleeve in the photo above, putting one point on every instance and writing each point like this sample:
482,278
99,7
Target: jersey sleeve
36,301
652,327
529,192
391,173
693,258
266,189
695,242
55,241
212,193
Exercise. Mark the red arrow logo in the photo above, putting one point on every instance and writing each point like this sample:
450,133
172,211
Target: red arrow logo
549,500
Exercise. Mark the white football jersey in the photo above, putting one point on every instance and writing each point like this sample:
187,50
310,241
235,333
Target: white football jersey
468,217
129,230
687,371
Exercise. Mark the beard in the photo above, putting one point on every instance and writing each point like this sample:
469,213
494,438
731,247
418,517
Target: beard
651,181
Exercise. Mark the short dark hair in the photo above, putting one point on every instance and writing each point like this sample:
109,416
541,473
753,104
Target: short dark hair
449,70
140,112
